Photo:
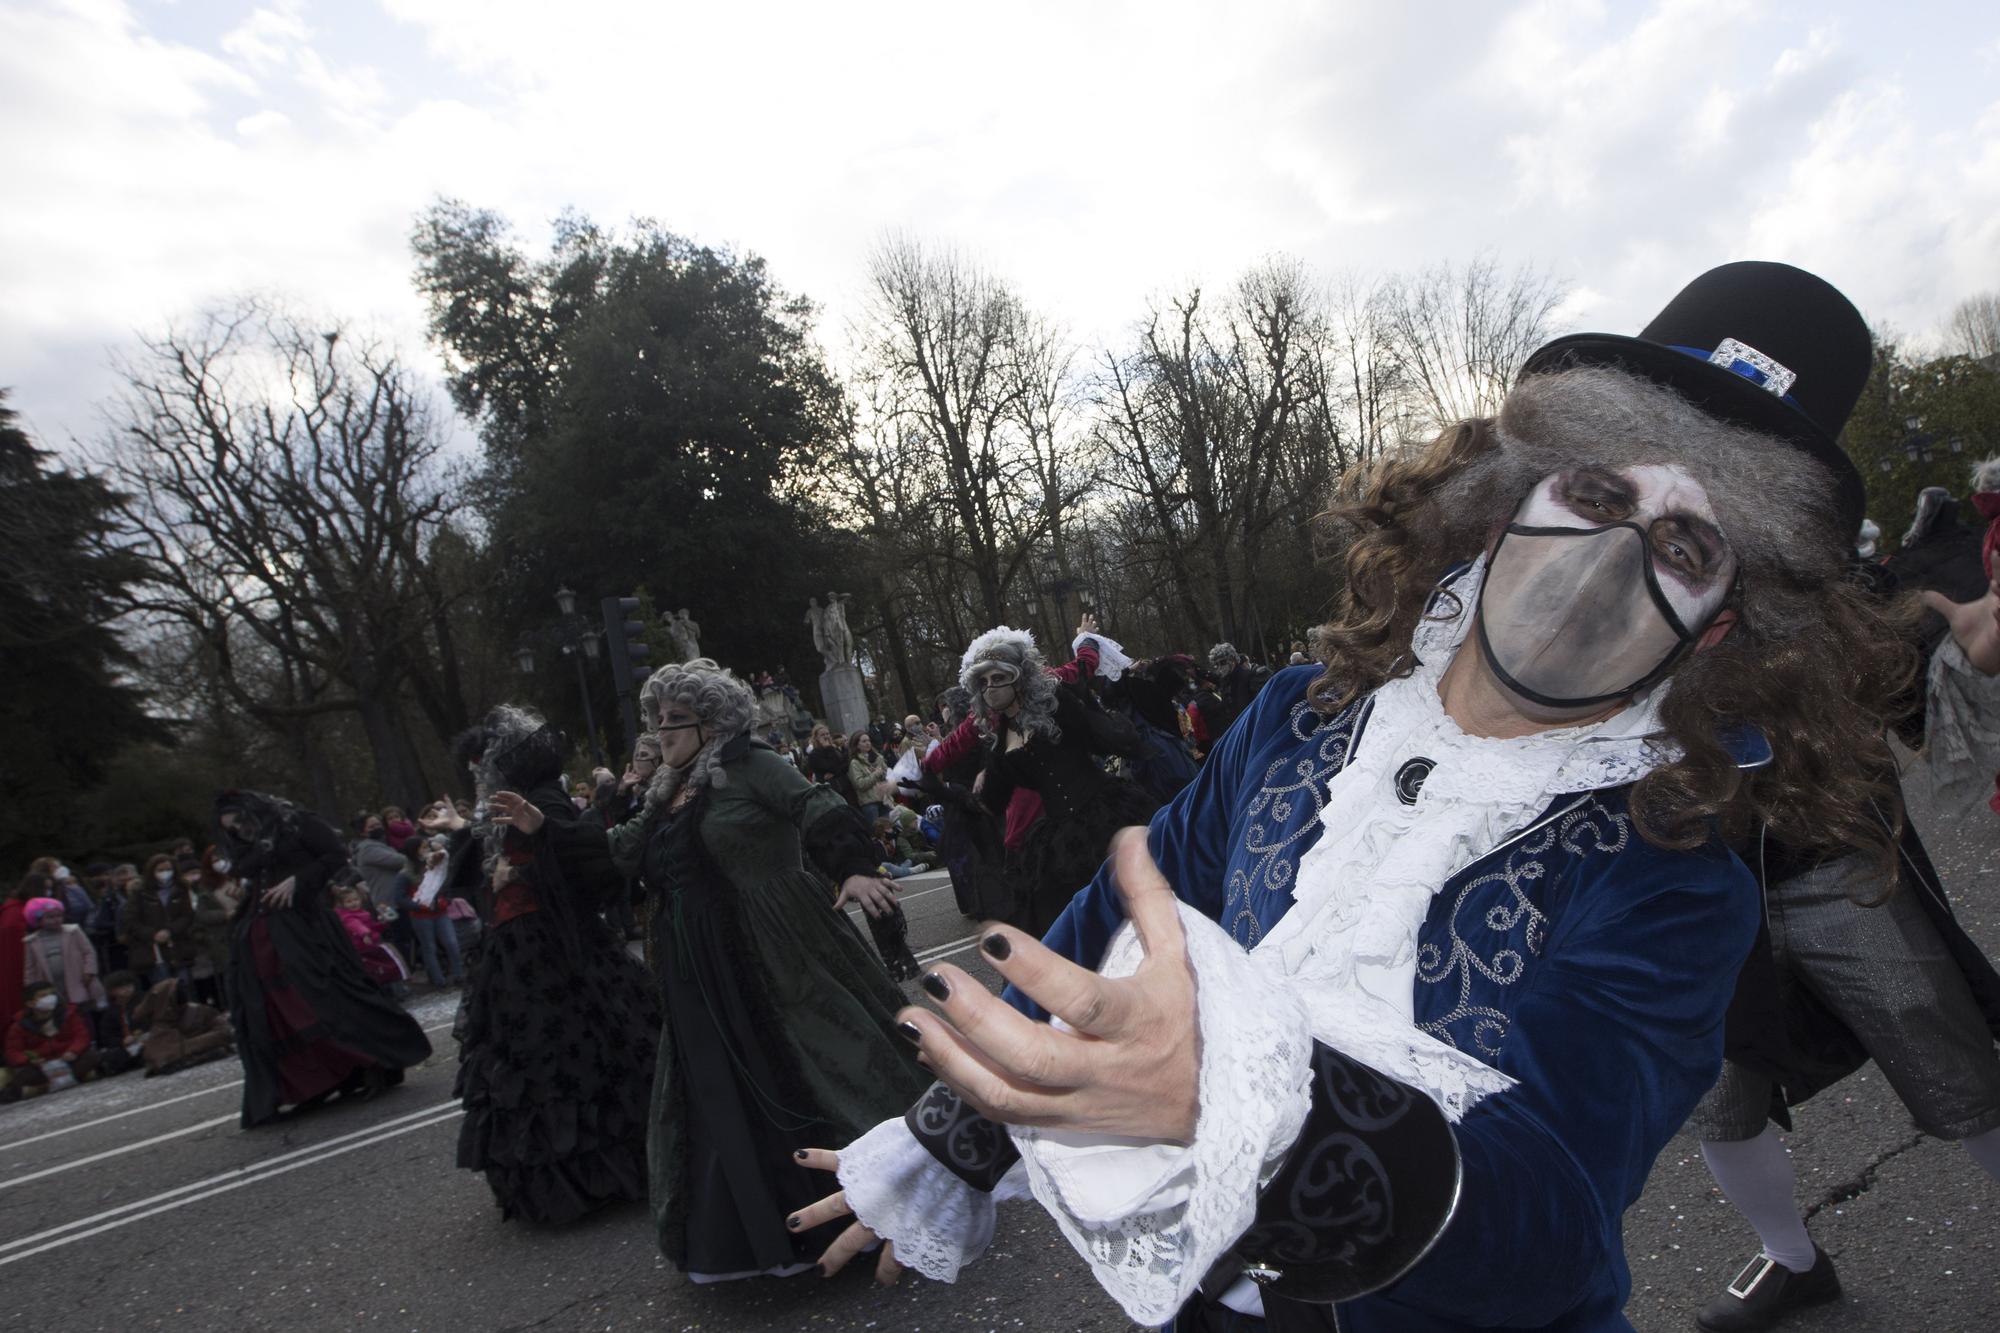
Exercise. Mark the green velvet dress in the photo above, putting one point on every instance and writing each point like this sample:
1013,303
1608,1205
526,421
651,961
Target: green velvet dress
780,1018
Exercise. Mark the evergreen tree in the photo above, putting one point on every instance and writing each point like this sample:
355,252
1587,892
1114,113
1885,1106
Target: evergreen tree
67,709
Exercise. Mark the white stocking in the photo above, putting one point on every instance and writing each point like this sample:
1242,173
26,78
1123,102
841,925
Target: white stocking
1756,1176
1985,1150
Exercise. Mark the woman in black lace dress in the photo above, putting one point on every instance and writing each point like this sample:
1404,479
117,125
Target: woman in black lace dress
1046,735
559,1026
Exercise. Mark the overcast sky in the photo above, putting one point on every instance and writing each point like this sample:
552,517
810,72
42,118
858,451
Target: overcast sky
158,155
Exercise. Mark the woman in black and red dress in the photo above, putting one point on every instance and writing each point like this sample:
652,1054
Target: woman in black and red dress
1046,734
309,1023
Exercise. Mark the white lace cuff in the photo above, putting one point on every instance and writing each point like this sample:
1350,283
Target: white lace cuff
937,1222
1152,1218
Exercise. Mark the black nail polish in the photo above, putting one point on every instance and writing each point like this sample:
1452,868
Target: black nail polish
792,1223
800,1154
996,946
911,1033
935,986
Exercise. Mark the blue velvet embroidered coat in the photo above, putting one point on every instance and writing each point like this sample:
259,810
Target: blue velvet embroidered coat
1589,964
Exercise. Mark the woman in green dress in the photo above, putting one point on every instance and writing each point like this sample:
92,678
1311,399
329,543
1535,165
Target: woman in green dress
780,1020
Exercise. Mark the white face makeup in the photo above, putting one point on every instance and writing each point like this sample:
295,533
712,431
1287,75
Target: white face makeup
1603,578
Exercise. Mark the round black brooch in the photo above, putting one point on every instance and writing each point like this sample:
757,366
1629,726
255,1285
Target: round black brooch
1410,779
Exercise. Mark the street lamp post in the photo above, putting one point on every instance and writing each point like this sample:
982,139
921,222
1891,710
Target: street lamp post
577,639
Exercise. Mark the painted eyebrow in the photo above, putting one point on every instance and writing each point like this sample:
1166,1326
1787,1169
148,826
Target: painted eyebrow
1617,487
1701,530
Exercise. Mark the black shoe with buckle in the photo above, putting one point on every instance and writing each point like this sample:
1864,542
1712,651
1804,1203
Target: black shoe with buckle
1766,1291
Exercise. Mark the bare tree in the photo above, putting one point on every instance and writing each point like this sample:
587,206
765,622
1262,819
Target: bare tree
1460,335
1196,420
1974,327
287,496
943,333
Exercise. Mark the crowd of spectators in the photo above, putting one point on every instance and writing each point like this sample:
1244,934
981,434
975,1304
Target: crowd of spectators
123,966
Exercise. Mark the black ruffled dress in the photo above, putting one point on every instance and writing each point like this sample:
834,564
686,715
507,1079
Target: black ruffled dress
1082,807
556,1036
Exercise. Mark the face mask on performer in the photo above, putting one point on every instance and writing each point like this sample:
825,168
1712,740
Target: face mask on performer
1603,579
998,686
680,736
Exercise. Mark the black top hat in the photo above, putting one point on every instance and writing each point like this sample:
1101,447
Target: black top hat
1762,345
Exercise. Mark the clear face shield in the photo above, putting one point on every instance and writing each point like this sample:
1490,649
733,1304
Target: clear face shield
1600,583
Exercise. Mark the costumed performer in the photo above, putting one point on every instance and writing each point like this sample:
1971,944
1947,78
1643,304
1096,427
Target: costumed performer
559,1025
308,1022
780,1022
1457,924
1853,964
1042,733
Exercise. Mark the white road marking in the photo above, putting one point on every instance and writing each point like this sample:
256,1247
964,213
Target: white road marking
946,950
108,1153
230,1180
120,1115
150,1106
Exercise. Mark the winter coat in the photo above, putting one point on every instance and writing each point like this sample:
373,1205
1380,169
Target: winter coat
379,864
79,977
13,931
146,916
869,776
25,1038
213,911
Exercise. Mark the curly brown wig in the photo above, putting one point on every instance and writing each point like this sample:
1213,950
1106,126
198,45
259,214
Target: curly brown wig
1814,662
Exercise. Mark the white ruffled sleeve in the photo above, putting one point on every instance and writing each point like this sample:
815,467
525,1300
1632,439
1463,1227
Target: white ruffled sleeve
903,1194
1152,1218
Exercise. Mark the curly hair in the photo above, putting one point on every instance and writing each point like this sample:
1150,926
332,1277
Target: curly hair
724,706
1814,662
1036,688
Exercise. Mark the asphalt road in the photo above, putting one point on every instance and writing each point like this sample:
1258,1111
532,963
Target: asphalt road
139,1204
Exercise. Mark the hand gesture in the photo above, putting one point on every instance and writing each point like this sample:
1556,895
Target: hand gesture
280,894
876,896
629,780
441,817
512,809
1128,1067
1087,625
854,1239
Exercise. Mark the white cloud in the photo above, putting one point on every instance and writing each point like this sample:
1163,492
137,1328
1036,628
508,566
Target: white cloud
1093,153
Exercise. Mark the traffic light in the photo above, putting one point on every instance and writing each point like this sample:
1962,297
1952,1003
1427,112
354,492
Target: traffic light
629,658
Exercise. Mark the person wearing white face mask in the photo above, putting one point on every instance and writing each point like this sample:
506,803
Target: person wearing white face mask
159,921
48,1045
1386,1018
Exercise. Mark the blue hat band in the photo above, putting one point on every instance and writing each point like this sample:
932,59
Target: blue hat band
1741,367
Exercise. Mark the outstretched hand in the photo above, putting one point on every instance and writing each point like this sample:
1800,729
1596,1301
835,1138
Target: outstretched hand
441,817
854,1239
513,810
1975,625
877,897
1128,1066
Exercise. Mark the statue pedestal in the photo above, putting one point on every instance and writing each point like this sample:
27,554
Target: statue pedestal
846,699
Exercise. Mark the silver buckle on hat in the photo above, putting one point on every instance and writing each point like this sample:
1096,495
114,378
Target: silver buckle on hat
1761,1267
1762,371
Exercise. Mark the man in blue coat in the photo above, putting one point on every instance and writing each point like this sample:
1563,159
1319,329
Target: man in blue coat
1386,1018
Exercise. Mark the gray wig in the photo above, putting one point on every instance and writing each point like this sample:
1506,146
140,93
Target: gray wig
1004,647
722,704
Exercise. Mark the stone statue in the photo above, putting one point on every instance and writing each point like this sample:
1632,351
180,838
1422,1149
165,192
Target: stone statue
829,629
686,635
